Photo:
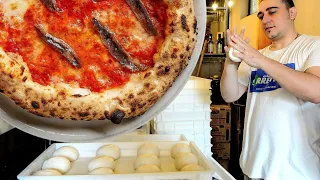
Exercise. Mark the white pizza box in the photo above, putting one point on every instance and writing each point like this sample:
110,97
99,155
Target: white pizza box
128,150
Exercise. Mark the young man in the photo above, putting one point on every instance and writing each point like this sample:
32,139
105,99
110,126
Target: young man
282,124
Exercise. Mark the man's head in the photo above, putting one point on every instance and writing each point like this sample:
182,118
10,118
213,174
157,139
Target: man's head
277,17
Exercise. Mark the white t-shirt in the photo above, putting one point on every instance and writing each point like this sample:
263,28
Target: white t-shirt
281,132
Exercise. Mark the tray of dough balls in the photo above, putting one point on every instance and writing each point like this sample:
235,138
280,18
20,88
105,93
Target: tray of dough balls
120,160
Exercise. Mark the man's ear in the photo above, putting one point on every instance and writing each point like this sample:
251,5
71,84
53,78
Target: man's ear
293,13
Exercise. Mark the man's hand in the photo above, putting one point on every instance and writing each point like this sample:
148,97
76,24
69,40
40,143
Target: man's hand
229,40
248,54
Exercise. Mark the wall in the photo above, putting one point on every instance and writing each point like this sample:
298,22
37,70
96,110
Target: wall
308,19
251,23
307,22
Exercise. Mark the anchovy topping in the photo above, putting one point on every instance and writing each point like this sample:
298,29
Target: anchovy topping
52,5
59,45
114,47
142,15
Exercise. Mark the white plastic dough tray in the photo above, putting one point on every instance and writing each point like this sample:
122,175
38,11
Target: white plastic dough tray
128,150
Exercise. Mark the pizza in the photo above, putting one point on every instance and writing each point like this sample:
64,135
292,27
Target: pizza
93,59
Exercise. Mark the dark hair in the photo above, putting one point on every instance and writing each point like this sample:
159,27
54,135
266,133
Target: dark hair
289,3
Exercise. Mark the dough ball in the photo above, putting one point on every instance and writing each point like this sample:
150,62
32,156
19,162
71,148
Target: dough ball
146,159
148,148
185,158
109,150
67,151
232,57
100,171
100,162
47,172
62,164
148,168
179,148
193,167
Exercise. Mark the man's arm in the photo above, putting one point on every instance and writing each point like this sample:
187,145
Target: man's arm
303,85
231,89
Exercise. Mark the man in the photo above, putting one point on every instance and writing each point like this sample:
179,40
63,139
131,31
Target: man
282,124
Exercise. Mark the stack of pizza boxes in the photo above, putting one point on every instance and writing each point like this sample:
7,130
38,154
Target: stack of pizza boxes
221,133
188,114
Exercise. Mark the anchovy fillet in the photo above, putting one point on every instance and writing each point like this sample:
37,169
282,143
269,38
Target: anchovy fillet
52,5
114,47
60,46
142,15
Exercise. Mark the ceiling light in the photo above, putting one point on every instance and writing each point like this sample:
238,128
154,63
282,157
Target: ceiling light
214,6
230,3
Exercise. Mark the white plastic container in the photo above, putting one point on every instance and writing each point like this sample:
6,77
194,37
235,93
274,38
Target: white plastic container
128,150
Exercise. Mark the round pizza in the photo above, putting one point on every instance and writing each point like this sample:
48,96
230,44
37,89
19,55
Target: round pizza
93,59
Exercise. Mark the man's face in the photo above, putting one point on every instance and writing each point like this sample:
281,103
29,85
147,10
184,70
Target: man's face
275,18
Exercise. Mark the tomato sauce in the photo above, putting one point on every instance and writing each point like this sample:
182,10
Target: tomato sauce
99,70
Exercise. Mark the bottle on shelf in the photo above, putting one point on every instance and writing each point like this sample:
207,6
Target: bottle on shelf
219,44
210,44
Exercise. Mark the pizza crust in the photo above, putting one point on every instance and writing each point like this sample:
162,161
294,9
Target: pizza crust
133,99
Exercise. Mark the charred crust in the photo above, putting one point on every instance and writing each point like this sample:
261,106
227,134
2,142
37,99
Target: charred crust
83,114
165,55
141,105
174,55
141,93
195,25
147,85
117,116
59,104
164,71
62,93
171,27
160,67
133,109
147,74
77,95
188,48
35,105
22,70
1,91
184,23
24,79
181,56
106,114
131,96
119,100
134,103
44,102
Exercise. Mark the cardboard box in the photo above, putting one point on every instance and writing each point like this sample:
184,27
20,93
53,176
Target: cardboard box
220,111
221,150
224,164
221,133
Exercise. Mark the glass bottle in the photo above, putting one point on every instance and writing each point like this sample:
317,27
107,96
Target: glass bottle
219,44
210,44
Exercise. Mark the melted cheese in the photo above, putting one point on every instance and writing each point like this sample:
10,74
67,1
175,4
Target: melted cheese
15,8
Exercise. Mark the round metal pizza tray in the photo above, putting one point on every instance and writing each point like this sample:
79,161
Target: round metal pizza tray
85,131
